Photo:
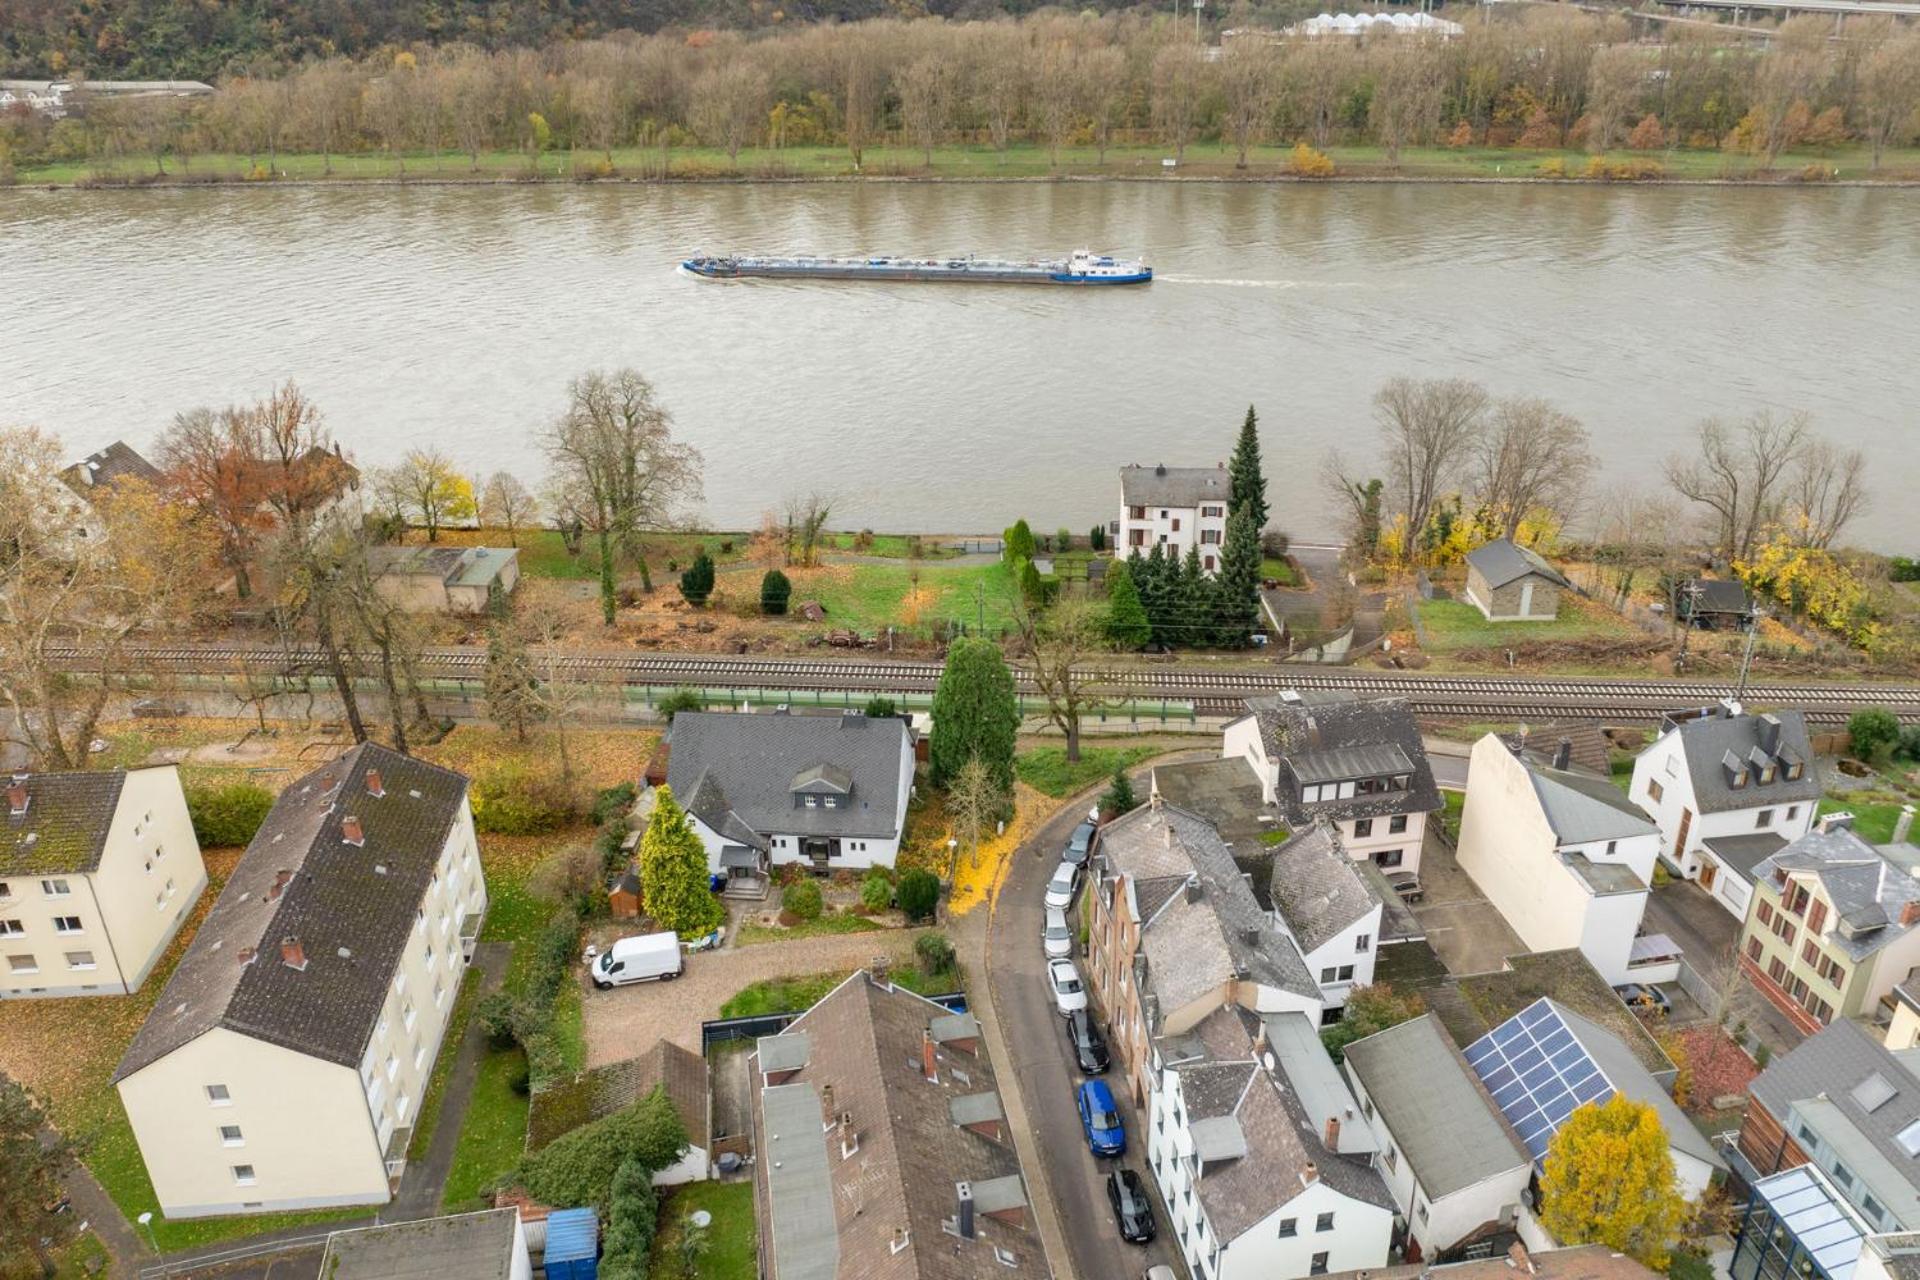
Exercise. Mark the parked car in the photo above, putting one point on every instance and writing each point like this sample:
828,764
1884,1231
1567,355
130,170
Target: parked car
645,958
1060,889
1159,1271
1645,999
1407,885
1079,845
1100,1120
1068,994
1128,1196
1089,1046
1056,936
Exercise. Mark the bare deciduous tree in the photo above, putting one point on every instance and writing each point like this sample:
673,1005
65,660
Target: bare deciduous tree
1104,79
1530,456
1063,643
1406,94
1250,84
1058,93
729,104
507,503
1179,83
1826,489
1430,427
806,519
1737,471
1616,84
1890,84
925,87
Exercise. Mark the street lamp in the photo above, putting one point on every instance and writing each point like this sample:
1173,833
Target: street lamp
146,1220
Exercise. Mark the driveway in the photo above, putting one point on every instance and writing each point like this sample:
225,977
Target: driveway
1042,1067
1707,934
1465,930
627,1020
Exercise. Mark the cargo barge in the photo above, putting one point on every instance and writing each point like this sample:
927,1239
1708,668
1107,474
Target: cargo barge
1082,267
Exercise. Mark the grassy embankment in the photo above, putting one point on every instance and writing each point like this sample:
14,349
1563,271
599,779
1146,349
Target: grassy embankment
975,162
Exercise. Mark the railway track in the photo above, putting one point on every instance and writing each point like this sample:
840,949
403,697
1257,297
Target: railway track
1212,690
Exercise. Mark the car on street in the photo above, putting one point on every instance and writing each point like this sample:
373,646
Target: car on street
1079,845
1100,1120
1056,936
1089,1046
1128,1196
1645,999
1060,889
1068,994
1407,885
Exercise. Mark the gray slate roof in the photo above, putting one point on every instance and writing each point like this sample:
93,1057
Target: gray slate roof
1160,486
1503,561
1630,1077
1302,731
1317,889
1867,889
1741,854
736,771
1583,809
118,461
1717,595
1192,946
1436,1109
471,1246
66,823
1831,1065
1706,742
334,898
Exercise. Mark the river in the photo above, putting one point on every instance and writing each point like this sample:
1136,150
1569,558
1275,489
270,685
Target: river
454,317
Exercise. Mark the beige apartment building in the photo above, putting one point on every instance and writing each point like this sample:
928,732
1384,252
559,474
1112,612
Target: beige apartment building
97,872
284,1064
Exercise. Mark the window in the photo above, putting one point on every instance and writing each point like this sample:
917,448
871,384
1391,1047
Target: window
1176,524
1776,970
1326,975
11,928
1816,916
230,1136
1654,790
813,802
1423,1210
1209,564
1613,847
1388,858
1319,1265
1324,1222
1397,824
66,924
1793,811
393,1066
1362,828
1289,1228
80,960
22,964
1806,1136
1210,513
1209,537
1766,913
243,1175
1810,953
6,891
1764,818
55,888
1842,1175
439,996
217,1094
1346,973
1872,1207
1393,1158
407,1014
1754,949
1363,942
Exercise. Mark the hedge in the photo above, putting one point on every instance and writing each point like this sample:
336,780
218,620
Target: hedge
227,816
578,1168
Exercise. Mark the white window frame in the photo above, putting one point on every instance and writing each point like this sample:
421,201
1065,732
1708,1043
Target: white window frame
56,887
224,1098
79,967
249,1178
237,1139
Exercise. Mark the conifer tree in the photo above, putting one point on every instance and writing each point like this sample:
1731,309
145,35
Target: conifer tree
696,584
1151,578
673,871
1237,591
1127,623
1193,621
1246,482
975,713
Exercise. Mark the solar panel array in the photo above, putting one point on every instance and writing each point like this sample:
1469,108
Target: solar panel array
1537,1072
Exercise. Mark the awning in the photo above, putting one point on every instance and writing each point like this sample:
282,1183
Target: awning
1654,946
734,855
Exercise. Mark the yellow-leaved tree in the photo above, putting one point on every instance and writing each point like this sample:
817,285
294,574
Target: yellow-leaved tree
1609,1180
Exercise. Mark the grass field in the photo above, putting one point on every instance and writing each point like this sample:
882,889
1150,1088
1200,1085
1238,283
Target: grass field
1455,624
1046,769
1873,819
543,554
800,993
965,161
731,1252
834,924
871,597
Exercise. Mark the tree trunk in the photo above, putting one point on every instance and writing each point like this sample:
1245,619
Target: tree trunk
337,672
396,707
1073,737
606,575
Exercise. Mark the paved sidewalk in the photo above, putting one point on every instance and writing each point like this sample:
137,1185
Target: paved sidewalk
424,1178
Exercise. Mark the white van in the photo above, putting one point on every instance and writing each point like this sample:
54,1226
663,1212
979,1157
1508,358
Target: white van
642,959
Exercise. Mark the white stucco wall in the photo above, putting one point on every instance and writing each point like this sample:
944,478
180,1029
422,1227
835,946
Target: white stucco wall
692,1167
856,853
1345,948
1381,837
1157,528
1691,1175
1241,740
1664,762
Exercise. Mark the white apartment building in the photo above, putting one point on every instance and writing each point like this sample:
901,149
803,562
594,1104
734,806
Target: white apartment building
1174,508
98,870
1332,909
283,1065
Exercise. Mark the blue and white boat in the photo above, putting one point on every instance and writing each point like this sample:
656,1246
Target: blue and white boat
1081,267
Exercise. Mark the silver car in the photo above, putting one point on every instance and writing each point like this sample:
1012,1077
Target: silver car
1057,937
1066,878
1068,994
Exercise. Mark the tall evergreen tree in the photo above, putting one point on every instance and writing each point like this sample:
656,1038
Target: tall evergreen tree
673,871
975,713
1193,619
1155,586
1017,544
1127,623
1247,483
1237,591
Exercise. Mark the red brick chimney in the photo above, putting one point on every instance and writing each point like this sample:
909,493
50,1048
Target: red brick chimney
280,882
1909,913
351,831
1309,1174
926,1057
374,786
1333,1133
17,798
292,954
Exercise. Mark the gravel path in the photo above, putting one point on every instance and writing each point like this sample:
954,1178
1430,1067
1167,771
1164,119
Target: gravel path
627,1020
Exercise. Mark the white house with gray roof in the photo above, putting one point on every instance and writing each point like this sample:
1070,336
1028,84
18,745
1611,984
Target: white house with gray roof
1176,509
771,789
1353,760
1332,907
1565,857
1256,1181
283,1065
1728,789
1454,1166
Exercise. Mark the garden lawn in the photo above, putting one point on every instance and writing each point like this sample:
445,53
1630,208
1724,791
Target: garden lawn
494,1135
1872,819
889,546
1453,804
1455,624
436,1095
732,1243
871,597
839,922
544,555
1279,571
1047,770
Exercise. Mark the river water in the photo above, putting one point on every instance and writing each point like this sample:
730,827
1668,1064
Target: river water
455,316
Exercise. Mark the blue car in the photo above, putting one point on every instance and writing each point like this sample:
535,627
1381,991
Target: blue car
1100,1120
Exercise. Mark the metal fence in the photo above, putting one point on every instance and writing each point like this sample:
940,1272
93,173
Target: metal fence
753,1027
1704,993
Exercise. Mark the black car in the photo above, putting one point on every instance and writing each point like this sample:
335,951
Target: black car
1130,1208
1089,1048
1079,845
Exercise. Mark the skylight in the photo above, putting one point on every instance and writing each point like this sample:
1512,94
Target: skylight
1909,1139
1872,1093
1538,1073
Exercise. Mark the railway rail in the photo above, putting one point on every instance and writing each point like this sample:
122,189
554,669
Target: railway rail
1211,689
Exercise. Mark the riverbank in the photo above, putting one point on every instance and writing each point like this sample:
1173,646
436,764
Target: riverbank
965,163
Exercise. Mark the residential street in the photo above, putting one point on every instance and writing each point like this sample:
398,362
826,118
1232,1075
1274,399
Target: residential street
1043,1067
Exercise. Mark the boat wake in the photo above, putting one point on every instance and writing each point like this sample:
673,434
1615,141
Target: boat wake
1260,284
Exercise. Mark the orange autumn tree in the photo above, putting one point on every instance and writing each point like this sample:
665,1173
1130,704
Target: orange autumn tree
1609,1179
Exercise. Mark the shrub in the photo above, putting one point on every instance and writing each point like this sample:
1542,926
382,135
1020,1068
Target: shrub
227,816
803,900
612,802
1556,167
1910,742
935,953
1063,541
863,540
495,1015
1309,162
571,874
578,1168
1097,537
776,589
876,891
918,893
1118,797
696,584
879,707
1872,732
1275,544
512,799
682,699
633,1218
